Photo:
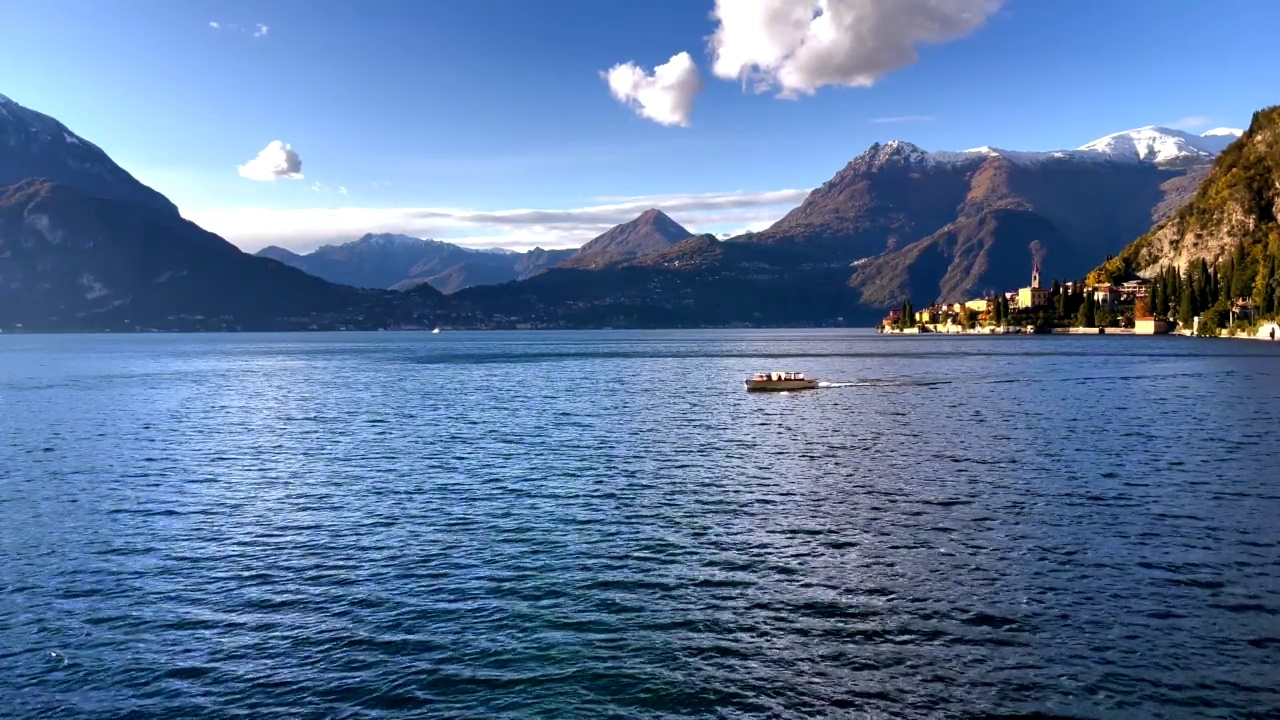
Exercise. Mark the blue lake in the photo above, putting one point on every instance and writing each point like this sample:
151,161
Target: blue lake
605,524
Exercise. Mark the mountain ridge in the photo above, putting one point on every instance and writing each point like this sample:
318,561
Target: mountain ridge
651,231
1237,203
398,262
35,145
74,261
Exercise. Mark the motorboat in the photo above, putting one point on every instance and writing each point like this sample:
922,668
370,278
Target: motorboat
780,381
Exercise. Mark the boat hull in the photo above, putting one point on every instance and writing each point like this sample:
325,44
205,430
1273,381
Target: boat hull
780,385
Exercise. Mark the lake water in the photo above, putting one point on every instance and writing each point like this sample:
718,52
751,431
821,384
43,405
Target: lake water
605,524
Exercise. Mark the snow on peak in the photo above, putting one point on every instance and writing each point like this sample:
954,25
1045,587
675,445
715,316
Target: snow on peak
392,239
1151,144
1020,157
1159,145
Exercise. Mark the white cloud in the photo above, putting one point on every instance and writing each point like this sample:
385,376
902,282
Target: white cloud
666,96
277,160
798,46
342,190
1193,122
304,229
258,30
319,187
895,119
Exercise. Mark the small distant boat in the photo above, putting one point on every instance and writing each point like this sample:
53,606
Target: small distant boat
436,331
778,381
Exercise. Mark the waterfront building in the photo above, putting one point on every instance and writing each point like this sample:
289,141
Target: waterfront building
1034,296
1106,296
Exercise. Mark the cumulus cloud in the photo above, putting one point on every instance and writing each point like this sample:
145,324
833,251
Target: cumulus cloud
342,190
305,229
665,96
798,46
260,30
215,25
277,160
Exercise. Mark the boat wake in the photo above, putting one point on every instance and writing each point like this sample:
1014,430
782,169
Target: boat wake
841,384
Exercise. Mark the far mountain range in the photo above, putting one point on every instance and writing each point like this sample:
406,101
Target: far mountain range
400,262
903,221
84,245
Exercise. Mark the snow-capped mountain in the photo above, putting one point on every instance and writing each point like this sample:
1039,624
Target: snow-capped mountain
1165,147
1162,145
388,260
34,145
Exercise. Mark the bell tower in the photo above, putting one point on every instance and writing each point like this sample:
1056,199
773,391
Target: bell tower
1035,276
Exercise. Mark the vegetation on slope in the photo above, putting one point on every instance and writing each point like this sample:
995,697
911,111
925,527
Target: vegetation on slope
1237,204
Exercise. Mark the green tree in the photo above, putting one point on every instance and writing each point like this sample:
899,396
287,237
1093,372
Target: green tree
1213,319
1186,309
1264,286
1244,270
1227,271
1087,317
1204,290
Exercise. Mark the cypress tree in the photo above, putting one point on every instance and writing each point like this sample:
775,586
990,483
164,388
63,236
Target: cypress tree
1264,288
1186,310
1204,295
1243,273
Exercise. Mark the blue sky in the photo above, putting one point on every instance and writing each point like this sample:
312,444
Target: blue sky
442,117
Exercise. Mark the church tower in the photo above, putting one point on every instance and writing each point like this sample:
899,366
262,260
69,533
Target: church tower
1035,276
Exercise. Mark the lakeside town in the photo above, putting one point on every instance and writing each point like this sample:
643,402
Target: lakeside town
1194,303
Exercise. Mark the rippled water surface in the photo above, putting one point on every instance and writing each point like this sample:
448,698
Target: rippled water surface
606,525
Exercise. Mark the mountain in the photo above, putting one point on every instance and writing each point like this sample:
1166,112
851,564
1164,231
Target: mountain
537,260
1237,205
697,282
373,261
1163,146
74,261
34,145
90,248
401,262
896,222
653,231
